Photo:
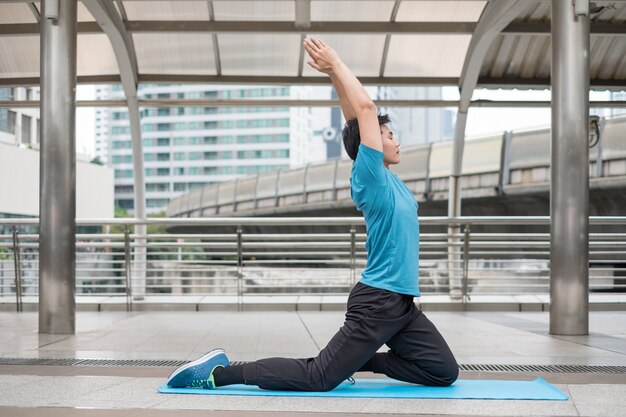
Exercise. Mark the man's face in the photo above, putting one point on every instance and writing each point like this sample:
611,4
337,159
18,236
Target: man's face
391,146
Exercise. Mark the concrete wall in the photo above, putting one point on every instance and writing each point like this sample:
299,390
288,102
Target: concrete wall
19,185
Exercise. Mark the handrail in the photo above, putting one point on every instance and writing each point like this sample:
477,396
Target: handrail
312,221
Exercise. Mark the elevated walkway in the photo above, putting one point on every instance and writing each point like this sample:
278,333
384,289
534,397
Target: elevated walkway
148,345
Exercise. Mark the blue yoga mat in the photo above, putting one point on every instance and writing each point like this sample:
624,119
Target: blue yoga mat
539,389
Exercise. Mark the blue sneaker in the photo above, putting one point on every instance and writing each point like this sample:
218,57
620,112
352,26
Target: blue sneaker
199,373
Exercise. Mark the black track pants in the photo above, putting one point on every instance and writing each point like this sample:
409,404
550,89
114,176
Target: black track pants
418,353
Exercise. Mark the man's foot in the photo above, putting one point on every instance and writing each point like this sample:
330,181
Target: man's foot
199,373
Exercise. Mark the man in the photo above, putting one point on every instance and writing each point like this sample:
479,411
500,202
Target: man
381,308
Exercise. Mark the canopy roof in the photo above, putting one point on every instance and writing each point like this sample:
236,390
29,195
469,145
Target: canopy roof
410,42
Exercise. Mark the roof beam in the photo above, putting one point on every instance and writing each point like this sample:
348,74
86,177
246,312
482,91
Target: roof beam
442,28
165,103
383,28
483,82
108,18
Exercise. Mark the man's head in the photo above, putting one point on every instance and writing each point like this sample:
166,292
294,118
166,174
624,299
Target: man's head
352,140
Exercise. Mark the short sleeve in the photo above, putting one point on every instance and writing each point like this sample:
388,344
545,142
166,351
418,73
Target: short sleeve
369,169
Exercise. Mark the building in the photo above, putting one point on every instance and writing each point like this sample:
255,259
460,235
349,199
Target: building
19,126
187,147
418,125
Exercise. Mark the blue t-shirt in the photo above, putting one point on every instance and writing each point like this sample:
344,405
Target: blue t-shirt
390,212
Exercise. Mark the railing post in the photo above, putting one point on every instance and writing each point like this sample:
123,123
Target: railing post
353,255
239,269
127,255
18,270
466,245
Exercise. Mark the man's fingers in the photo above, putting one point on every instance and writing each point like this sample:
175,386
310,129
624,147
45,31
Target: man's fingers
309,49
317,43
311,44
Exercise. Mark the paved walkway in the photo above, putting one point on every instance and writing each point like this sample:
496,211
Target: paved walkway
475,338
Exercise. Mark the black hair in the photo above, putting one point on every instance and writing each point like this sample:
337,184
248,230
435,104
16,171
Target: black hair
352,136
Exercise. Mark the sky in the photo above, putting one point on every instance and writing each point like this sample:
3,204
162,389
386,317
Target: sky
480,121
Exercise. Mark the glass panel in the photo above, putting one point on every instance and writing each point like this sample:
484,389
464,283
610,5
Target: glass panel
350,49
167,10
175,53
440,11
261,54
19,56
426,55
95,55
16,13
254,10
83,14
351,11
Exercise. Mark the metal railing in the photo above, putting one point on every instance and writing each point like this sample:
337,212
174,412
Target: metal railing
300,256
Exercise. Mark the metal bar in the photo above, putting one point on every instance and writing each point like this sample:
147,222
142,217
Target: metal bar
569,191
128,269
18,270
466,247
57,224
239,269
353,255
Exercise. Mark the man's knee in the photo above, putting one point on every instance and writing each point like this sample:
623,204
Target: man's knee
325,385
447,377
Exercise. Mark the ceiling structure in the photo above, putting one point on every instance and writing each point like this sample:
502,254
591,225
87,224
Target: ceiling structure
404,42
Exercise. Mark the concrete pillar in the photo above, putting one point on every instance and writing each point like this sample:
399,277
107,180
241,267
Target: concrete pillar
57,195
569,193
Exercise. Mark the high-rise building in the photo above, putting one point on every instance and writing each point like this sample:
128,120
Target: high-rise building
418,125
187,147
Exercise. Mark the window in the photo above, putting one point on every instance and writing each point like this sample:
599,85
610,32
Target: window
179,141
122,159
181,111
195,156
156,202
123,173
122,144
210,140
163,111
210,125
180,186
158,187
210,155
179,156
163,157
144,128
194,171
179,171
195,125
163,127
124,189
125,204
194,140
163,142
210,110
147,142
210,170
26,128
163,172
148,157
115,130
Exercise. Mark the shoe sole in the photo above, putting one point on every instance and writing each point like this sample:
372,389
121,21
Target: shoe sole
204,358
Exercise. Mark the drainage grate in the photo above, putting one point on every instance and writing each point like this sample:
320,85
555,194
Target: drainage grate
559,369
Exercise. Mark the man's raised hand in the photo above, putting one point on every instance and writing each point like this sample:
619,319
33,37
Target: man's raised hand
323,57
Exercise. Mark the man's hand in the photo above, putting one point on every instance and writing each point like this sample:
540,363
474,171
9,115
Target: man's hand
323,57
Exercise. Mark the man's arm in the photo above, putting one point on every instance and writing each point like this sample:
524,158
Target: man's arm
326,60
348,113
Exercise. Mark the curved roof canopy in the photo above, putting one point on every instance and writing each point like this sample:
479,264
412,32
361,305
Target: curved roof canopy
410,42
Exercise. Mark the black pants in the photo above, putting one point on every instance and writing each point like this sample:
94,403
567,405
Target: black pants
418,353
